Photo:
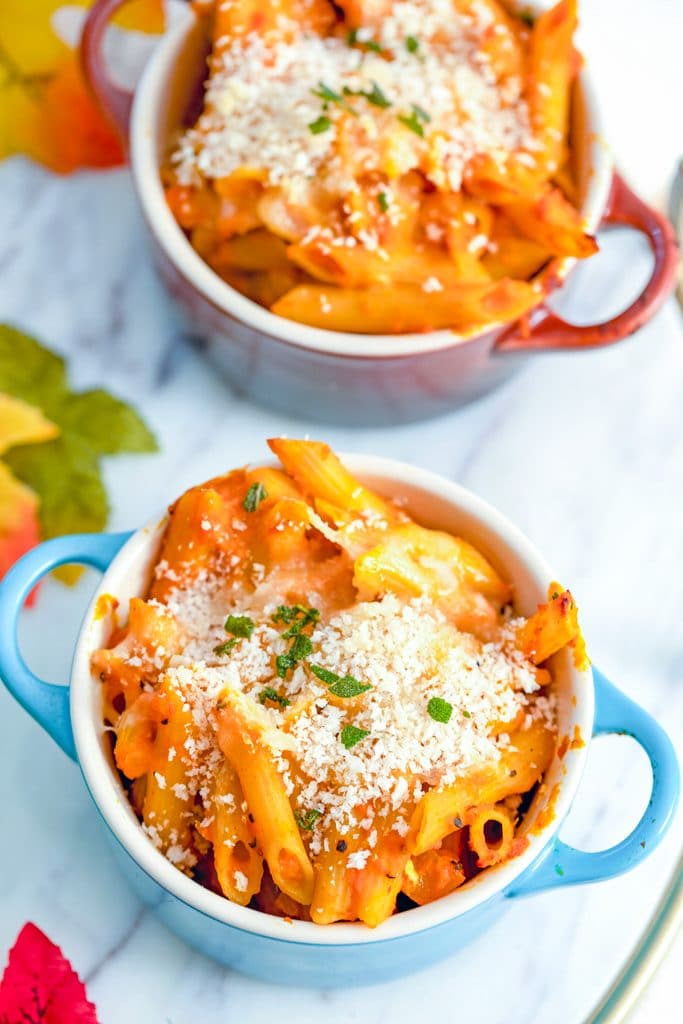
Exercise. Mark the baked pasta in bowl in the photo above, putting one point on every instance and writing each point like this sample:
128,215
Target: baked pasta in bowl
331,707
360,205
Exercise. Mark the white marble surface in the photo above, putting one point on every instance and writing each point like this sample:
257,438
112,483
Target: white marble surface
585,453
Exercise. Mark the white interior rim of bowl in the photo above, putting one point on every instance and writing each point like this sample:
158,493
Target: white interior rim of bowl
107,795
179,251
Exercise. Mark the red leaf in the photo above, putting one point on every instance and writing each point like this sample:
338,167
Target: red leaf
39,985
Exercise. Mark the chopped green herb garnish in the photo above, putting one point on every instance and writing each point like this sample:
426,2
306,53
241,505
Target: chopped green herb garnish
254,496
312,615
467,714
412,122
324,674
439,709
301,648
383,202
351,734
325,93
349,687
369,44
287,612
555,596
328,95
226,647
239,625
559,870
422,114
283,663
321,124
412,44
268,693
306,820
296,616
376,97
340,686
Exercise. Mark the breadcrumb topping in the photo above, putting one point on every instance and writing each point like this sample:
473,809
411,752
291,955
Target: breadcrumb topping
404,655
440,101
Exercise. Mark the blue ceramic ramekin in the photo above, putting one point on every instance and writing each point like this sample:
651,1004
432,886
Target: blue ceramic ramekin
301,953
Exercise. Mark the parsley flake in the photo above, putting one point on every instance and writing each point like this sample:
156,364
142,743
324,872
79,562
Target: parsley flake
254,496
340,686
300,649
383,202
296,616
325,93
226,647
351,734
412,122
412,44
370,44
328,95
439,709
467,714
320,125
268,693
324,674
352,37
376,97
239,625
349,687
306,820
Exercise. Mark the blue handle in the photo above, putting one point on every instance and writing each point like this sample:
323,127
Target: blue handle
564,865
47,703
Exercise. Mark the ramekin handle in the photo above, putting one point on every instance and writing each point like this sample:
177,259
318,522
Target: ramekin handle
47,703
551,333
115,101
563,865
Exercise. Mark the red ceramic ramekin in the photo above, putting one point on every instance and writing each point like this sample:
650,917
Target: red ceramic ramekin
329,375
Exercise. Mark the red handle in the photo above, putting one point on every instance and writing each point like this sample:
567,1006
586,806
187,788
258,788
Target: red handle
551,332
115,101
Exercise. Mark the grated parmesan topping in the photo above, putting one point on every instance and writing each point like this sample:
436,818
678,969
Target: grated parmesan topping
260,102
407,652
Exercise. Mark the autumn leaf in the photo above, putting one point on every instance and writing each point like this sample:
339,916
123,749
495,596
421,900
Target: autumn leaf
46,109
39,985
20,424
70,432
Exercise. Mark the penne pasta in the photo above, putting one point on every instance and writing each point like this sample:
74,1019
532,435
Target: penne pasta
523,764
397,309
491,834
274,821
551,628
237,860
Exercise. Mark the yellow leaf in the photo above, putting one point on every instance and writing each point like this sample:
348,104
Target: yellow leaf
21,423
